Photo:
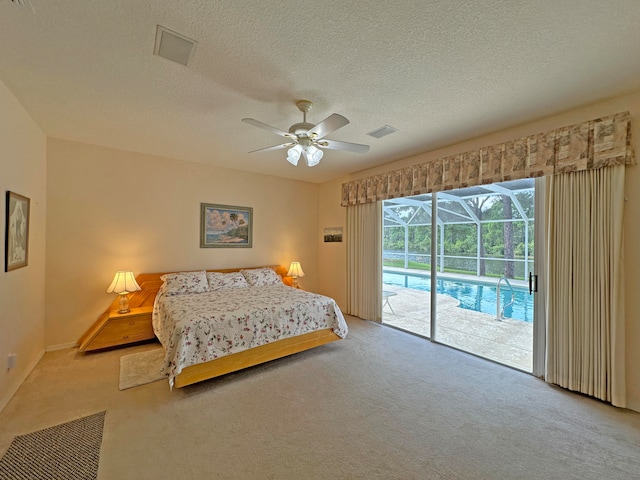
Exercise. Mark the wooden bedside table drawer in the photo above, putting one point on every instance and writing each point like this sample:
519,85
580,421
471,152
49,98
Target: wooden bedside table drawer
127,329
120,329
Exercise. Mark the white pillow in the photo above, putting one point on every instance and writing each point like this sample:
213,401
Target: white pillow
185,282
260,277
223,281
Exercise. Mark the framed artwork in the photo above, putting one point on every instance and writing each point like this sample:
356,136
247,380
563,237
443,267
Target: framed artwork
16,245
225,226
333,234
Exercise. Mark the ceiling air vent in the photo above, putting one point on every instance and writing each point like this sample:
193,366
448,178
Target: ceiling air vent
173,46
382,131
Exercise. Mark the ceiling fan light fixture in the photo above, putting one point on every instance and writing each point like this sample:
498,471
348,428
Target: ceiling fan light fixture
306,137
293,155
313,156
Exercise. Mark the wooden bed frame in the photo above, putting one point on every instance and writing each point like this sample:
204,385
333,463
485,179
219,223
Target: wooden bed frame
150,283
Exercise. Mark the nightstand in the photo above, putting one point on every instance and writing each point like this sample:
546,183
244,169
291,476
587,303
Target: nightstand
113,329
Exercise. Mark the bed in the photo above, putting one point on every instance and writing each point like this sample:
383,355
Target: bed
218,321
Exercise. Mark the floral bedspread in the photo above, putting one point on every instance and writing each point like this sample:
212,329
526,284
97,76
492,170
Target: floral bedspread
198,327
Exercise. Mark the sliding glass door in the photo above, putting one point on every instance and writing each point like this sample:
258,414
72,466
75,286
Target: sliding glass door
456,269
406,263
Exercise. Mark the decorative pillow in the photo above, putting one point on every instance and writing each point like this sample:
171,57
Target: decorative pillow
185,282
259,277
222,281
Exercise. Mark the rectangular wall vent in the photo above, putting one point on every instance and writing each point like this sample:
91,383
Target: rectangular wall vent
382,131
173,46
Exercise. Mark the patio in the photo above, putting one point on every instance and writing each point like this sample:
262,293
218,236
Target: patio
505,341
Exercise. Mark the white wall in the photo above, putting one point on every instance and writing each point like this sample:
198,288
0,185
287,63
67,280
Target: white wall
332,256
330,209
110,210
22,291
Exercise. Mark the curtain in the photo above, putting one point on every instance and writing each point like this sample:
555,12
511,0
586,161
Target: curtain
599,143
585,291
364,261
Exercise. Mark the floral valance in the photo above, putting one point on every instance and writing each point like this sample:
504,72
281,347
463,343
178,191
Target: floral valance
594,144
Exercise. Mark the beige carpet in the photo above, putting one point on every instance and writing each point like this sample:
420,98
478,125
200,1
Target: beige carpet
141,368
380,404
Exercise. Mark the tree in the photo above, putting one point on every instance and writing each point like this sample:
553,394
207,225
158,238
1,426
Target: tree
477,204
507,214
502,232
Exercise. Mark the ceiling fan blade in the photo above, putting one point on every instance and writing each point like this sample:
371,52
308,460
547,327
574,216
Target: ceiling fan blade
275,147
330,124
259,124
346,146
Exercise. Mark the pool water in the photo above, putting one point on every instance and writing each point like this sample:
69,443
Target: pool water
472,296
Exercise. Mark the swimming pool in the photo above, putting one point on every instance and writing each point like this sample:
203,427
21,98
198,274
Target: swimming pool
472,296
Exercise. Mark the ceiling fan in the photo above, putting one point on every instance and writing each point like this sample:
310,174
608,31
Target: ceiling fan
306,139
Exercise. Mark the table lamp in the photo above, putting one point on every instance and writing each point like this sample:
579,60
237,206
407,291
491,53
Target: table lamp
123,284
295,272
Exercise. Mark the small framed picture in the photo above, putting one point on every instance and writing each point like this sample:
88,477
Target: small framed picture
16,245
225,226
333,234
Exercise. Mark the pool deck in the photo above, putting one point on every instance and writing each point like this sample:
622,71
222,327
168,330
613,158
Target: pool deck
506,341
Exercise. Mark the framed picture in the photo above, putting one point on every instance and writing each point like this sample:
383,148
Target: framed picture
16,245
333,234
225,226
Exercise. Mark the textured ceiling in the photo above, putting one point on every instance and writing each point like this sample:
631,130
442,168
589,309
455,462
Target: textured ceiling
438,71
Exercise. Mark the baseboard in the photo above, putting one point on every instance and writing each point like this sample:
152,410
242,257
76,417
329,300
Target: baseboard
62,346
635,406
7,398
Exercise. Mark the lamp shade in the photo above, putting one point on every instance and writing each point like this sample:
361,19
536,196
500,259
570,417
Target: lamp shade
293,155
123,283
313,156
295,270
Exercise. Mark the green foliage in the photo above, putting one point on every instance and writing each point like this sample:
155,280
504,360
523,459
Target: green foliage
392,262
462,239
419,238
240,232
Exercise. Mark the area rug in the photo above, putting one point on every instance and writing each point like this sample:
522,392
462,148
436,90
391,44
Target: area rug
68,451
141,368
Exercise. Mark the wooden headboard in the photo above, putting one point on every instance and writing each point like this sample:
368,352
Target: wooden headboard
150,283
